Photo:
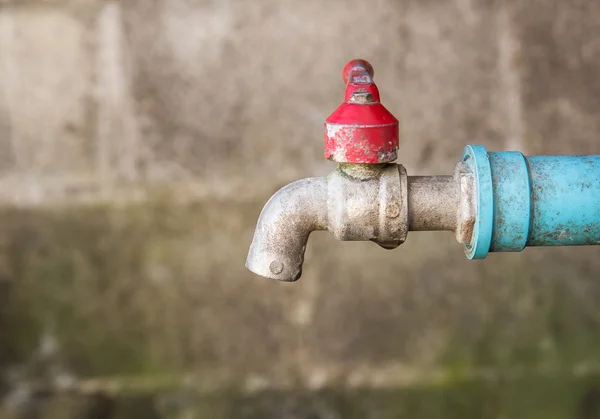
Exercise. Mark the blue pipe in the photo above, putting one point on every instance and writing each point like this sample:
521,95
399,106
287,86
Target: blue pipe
533,201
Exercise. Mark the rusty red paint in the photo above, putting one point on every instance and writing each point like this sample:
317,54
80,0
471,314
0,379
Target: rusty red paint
356,68
361,130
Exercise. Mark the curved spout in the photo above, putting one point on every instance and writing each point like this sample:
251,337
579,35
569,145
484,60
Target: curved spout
286,221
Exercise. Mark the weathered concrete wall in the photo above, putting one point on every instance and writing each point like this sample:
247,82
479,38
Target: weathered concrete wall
217,104
101,93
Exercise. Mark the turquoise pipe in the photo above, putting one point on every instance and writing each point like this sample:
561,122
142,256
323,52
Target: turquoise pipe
533,201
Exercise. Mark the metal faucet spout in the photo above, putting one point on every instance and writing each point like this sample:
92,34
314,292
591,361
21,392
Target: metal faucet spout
352,203
286,221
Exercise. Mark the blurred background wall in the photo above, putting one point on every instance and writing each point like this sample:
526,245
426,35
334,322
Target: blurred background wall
139,140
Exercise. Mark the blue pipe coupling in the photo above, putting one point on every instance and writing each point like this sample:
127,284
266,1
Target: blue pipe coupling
532,201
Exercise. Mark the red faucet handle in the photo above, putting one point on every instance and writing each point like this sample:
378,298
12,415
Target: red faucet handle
358,71
361,129
358,76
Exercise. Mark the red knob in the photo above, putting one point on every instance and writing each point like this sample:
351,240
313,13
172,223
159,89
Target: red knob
361,130
355,68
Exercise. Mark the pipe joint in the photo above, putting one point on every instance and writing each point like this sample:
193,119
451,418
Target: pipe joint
368,203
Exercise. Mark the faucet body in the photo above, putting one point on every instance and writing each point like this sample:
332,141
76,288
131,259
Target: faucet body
493,202
353,203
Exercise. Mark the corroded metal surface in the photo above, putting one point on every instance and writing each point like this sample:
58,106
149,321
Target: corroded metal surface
355,202
467,207
358,202
286,221
373,209
433,203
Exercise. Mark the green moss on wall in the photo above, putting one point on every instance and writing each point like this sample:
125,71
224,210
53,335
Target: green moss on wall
553,397
159,289
100,281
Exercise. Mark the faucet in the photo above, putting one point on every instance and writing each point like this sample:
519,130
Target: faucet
493,202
